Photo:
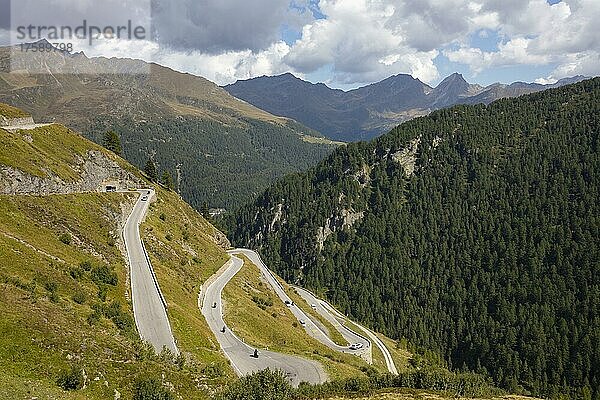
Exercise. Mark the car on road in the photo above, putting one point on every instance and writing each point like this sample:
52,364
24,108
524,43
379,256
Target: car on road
302,322
214,305
356,346
289,303
145,198
314,306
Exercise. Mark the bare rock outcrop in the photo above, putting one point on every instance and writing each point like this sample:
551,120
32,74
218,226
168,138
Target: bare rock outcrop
407,157
345,220
15,122
96,171
221,240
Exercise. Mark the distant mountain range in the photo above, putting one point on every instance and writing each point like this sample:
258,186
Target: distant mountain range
372,110
223,149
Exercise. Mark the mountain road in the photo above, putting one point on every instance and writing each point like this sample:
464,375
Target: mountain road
149,306
240,354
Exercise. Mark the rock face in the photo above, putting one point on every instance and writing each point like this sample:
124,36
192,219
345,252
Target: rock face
221,240
97,171
408,157
15,122
345,220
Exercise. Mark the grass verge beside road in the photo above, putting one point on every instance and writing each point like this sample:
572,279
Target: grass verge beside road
333,333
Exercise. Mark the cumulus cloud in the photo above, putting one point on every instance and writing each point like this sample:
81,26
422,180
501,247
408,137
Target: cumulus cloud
222,26
362,41
429,24
222,69
513,52
585,63
366,40
229,66
538,33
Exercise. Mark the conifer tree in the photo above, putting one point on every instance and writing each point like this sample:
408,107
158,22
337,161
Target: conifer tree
151,170
112,142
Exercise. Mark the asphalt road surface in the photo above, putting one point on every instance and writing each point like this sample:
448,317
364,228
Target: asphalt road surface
239,353
311,327
329,312
323,309
149,307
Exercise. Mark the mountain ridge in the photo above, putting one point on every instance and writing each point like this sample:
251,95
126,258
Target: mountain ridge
371,110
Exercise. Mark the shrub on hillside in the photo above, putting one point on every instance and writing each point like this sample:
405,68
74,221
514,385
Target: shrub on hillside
104,275
124,322
94,318
262,302
79,297
439,379
76,273
114,311
86,265
52,288
214,370
102,292
71,379
151,389
65,238
263,385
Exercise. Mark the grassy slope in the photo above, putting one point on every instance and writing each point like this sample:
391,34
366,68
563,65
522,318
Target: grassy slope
9,112
415,394
177,84
38,333
52,148
46,149
275,327
400,356
318,140
43,331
